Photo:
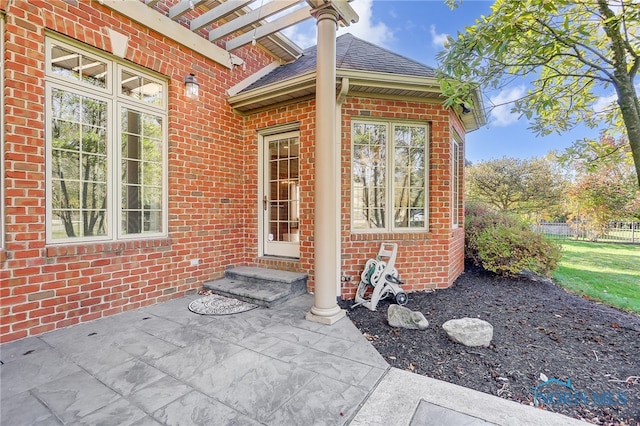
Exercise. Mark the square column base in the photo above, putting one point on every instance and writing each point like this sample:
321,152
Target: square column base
328,320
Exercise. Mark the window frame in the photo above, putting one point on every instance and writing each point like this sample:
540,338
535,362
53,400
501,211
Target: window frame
456,204
116,102
389,186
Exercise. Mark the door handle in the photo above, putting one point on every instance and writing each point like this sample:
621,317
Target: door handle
265,203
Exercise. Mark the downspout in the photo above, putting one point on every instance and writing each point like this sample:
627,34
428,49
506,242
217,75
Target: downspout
342,95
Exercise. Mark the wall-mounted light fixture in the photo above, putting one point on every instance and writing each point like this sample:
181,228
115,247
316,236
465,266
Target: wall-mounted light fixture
191,86
465,108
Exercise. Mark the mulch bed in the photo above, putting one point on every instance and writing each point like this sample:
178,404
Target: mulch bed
538,328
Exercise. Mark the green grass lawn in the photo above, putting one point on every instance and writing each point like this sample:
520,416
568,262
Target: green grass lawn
606,272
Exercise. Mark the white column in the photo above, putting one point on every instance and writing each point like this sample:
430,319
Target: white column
325,307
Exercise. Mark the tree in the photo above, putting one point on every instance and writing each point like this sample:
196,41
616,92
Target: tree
603,189
597,199
605,153
515,185
572,49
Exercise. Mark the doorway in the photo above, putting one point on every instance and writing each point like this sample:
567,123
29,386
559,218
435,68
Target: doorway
280,203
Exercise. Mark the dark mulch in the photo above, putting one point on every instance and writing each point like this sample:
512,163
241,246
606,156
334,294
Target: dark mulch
538,328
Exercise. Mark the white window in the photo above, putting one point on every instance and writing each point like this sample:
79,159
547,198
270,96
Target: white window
389,176
456,201
106,148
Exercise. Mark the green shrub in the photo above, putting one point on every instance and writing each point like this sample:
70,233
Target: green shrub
479,217
509,250
504,244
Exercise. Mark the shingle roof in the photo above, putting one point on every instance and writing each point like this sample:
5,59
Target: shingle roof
352,53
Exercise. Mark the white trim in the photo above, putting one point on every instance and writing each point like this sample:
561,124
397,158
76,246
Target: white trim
183,7
252,78
118,87
277,249
388,81
80,91
155,21
217,12
421,85
261,193
115,102
250,18
455,181
389,209
342,95
305,81
99,91
269,28
119,42
279,129
121,235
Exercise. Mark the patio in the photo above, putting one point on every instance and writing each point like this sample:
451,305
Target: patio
166,365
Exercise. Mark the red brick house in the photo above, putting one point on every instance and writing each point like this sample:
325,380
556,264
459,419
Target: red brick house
120,190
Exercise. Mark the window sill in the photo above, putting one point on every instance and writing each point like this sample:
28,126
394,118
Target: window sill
391,236
116,247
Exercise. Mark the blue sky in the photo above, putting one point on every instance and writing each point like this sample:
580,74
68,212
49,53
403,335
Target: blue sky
417,29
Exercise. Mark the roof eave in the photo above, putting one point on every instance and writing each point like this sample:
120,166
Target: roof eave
390,81
300,86
477,118
243,101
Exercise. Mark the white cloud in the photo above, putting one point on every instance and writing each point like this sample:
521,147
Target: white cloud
368,28
304,34
437,40
501,114
603,103
616,5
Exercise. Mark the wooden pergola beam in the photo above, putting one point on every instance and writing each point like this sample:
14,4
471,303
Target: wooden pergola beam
270,28
251,18
183,7
217,12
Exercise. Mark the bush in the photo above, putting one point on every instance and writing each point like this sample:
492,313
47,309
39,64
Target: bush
504,244
479,217
508,251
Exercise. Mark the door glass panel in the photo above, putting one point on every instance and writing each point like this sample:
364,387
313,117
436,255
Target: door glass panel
283,190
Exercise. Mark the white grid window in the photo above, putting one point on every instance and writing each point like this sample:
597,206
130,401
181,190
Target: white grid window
456,201
389,176
106,148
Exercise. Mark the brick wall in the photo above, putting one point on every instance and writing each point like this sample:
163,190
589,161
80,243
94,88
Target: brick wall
47,287
432,259
304,114
212,207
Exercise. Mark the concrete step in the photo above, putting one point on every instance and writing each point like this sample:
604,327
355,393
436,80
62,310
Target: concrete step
261,286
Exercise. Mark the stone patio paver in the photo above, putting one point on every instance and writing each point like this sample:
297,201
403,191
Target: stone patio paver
164,365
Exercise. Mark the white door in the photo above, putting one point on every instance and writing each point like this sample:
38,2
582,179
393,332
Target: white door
281,195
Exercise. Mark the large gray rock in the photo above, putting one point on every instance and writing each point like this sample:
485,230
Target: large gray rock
399,316
469,331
